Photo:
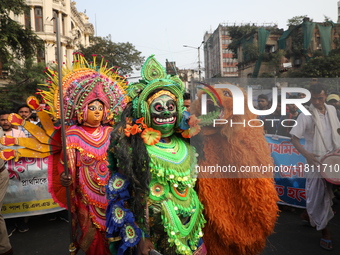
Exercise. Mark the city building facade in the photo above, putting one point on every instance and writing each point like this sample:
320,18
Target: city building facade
218,59
308,40
75,27
256,53
278,51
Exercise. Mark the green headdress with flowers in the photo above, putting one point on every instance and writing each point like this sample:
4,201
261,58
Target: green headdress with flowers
154,77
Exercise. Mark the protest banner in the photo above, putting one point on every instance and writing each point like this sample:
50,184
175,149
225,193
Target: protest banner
289,181
27,193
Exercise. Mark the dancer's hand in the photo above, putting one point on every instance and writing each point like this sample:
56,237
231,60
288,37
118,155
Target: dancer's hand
65,180
312,159
144,246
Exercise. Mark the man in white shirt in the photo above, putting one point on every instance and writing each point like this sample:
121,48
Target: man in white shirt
320,133
8,128
25,112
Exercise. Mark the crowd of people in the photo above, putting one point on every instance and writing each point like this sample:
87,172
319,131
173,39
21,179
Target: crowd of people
10,225
132,185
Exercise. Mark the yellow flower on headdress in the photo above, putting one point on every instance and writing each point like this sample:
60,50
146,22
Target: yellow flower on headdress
151,136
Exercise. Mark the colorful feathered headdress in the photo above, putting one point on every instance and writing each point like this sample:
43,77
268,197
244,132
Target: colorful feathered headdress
82,84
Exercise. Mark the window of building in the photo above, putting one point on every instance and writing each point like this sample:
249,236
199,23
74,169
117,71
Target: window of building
55,16
56,54
226,41
27,17
318,43
63,24
226,50
38,16
269,49
41,56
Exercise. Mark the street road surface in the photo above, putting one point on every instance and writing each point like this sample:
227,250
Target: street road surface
290,237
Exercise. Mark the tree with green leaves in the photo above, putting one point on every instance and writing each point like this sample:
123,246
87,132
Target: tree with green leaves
123,55
16,41
23,82
238,32
274,62
296,20
327,19
321,67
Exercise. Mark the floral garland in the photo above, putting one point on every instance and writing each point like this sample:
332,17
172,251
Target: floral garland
173,169
150,136
188,128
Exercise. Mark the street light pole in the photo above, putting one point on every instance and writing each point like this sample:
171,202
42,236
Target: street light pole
199,58
199,63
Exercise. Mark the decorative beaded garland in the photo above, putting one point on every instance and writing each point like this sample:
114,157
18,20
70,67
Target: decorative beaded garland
179,234
172,168
173,162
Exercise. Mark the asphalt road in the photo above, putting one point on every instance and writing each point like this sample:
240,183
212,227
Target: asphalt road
290,237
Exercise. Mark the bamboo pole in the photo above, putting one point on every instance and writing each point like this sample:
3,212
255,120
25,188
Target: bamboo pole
72,248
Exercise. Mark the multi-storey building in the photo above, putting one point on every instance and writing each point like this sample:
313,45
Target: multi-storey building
218,60
256,52
308,40
277,51
280,51
74,26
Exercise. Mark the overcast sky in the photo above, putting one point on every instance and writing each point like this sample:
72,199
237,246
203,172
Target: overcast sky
162,27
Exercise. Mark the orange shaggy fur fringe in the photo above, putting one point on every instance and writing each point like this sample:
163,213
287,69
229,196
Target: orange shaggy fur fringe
240,212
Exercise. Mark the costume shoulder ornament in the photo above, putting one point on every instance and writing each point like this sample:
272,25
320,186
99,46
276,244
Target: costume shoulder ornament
82,83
